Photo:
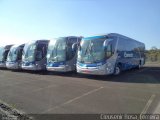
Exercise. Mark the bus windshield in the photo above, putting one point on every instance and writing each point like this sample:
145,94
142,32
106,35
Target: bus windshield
1,53
91,50
29,52
57,50
12,55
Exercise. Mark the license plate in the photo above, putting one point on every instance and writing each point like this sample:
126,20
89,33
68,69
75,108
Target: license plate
86,71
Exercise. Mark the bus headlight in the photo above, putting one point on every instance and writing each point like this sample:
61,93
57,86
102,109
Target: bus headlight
109,64
32,64
101,67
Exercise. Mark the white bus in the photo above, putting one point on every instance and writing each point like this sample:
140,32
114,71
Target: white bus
34,55
62,54
14,58
3,55
109,54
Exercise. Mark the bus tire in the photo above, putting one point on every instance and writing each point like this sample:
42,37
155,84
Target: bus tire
117,70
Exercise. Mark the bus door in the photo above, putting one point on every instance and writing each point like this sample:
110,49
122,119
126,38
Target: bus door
111,55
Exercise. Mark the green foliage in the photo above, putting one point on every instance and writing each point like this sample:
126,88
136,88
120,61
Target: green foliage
153,55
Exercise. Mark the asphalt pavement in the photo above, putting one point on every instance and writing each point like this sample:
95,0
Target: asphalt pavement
131,92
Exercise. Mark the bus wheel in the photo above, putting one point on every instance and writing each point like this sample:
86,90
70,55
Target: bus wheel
117,70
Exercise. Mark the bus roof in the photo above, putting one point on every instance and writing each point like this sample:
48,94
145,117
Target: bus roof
7,47
34,41
69,37
110,35
18,45
95,37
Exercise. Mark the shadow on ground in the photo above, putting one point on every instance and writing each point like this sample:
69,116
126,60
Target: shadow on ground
145,75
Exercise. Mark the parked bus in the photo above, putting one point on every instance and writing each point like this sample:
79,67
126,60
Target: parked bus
109,54
14,58
34,55
3,55
62,54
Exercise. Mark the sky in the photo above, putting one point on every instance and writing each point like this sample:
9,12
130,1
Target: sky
25,20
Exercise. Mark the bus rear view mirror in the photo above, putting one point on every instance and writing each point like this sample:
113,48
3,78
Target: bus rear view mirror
105,44
15,52
74,46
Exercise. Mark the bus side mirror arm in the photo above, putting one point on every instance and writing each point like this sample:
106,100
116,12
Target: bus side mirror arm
75,47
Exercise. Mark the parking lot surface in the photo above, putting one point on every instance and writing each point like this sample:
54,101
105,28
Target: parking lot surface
132,92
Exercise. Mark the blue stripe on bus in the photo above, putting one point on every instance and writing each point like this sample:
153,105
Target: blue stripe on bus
26,63
126,66
91,64
55,64
94,37
11,62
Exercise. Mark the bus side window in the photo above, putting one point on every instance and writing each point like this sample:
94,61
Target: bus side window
109,50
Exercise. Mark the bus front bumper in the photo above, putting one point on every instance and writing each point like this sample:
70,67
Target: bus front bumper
33,67
102,70
2,65
64,68
10,65
91,71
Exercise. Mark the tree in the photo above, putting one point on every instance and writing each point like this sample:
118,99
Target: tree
153,54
